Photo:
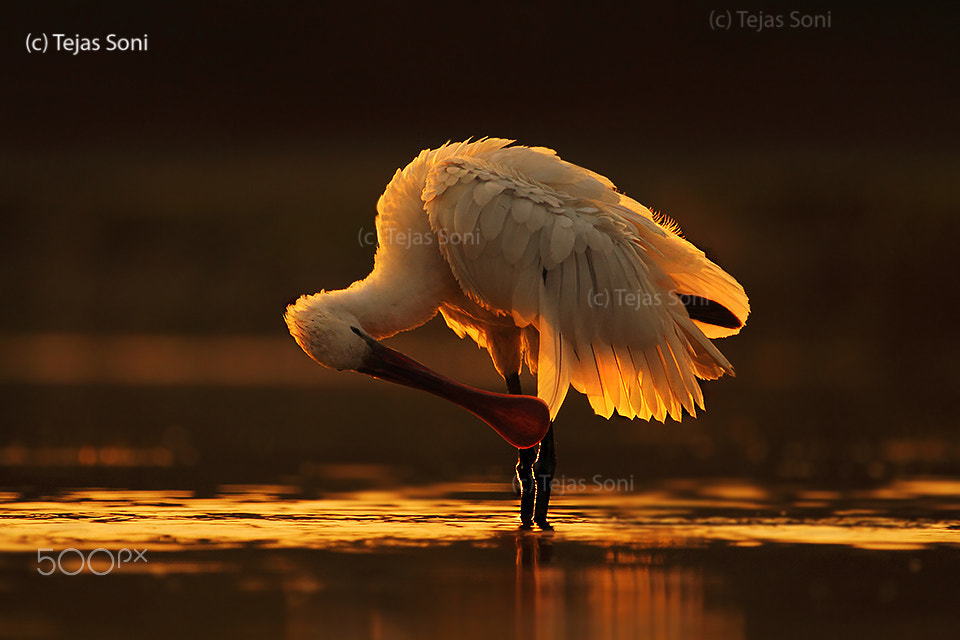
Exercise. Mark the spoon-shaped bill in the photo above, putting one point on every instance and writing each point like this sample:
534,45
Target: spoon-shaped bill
520,420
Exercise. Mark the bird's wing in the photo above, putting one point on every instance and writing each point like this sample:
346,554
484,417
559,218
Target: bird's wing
555,247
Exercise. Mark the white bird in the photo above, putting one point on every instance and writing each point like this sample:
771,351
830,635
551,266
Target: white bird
538,261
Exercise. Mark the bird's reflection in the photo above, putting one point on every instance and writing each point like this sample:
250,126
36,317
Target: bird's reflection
534,549
540,587
628,595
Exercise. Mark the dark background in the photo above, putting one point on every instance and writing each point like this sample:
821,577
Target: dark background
647,78
193,189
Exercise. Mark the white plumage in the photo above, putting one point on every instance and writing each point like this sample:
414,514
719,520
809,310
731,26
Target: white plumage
587,274
542,261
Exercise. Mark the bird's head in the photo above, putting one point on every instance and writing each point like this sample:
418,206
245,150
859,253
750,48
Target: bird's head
327,332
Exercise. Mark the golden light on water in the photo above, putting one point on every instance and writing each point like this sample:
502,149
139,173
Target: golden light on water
655,563
272,517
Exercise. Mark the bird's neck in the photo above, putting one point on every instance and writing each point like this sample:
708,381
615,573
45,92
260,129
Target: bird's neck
403,291
410,278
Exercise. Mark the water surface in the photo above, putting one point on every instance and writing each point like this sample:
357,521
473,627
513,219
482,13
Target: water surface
670,559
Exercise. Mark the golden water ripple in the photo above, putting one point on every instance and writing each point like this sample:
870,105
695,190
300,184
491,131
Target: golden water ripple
671,515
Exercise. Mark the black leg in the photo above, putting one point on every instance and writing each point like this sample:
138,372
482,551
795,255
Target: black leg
525,461
513,385
543,470
535,468
528,488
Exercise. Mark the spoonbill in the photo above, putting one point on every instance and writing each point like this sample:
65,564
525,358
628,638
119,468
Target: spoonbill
539,261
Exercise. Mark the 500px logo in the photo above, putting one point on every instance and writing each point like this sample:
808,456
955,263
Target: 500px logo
69,566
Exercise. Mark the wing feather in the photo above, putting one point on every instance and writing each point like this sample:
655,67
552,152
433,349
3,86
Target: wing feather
522,209
486,191
514,240
537,217
562,239
587,274
686,265
494,215
466,214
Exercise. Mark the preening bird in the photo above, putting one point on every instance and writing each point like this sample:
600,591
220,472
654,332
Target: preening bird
539,261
